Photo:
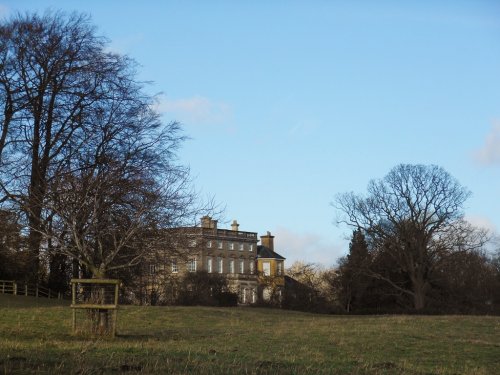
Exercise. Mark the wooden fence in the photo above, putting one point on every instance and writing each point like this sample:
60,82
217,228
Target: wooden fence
26,289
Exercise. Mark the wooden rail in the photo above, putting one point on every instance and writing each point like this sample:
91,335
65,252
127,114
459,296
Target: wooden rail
26,289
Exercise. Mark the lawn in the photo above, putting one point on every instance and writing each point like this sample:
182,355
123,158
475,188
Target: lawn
35,337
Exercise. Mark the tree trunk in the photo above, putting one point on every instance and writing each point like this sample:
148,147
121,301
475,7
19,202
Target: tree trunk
34,240
419,293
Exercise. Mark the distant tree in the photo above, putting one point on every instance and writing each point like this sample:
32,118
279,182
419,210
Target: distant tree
414,216
306,288
495,262
466,282
351,280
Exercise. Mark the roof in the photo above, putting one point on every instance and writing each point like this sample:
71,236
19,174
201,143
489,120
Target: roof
265,252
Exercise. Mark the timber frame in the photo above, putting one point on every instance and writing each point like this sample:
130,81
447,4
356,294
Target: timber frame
95,306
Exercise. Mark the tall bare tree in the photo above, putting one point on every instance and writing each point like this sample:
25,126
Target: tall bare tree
82,152
53,70
415,215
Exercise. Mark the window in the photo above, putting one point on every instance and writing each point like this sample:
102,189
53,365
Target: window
242,246
280,268
152,269
231,266
175,269
251,266
192,265
250,247
242,266
266,268
209,244
220,264
231,246
220,245
209,265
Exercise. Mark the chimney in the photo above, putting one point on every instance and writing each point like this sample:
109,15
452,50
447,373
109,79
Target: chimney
235,225
267,241
207,222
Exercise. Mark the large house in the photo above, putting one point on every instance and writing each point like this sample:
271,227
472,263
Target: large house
255,272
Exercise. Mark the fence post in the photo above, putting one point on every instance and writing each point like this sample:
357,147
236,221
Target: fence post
3,287
15,288
49,293
26,289
36,290
59,295
73,303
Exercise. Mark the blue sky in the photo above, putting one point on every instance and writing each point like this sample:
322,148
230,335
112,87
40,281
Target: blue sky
289,103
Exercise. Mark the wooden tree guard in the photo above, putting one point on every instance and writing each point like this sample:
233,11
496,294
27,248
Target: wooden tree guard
93,305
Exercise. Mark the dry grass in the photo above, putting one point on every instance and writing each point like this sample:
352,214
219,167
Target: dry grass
35,338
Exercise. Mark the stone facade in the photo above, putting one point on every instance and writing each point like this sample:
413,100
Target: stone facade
229,252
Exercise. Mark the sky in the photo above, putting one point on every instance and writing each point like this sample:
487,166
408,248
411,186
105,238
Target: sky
290,103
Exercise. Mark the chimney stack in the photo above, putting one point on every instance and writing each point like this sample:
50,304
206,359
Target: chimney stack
267,241
235,225
207,222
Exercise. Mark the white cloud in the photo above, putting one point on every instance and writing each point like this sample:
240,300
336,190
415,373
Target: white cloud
481,222
196,110
489,153
307,247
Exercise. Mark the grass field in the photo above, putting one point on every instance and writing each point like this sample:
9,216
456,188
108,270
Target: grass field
35,337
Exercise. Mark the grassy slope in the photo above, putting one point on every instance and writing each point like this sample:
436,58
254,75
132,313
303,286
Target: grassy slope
35,338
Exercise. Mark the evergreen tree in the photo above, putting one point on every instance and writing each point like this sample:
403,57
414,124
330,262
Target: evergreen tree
352,280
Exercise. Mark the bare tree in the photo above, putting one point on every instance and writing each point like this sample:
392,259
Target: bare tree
308,288
108,221
414,214
54,70
83,154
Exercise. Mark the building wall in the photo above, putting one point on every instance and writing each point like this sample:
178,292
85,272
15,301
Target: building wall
231,246
209,243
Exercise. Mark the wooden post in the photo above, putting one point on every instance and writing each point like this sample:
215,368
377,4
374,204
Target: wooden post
36,290
115,311
15,288
73,303
26,289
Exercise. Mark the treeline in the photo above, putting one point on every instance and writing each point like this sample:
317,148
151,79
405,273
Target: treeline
467,283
